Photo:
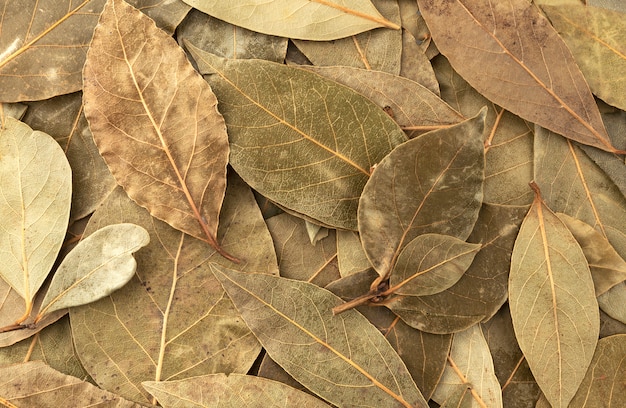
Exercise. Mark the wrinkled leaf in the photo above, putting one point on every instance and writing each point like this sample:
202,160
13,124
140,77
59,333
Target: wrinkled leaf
470,364
234,391
530,72
597,38
431,263
607,267
155,122
553,304
313,157
408,196
342,358
200,332
99,265
303,19
36,385
36,190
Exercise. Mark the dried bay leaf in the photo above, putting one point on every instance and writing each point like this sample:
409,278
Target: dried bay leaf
530,72
235,391
99,265
350,255
470,364
342,358
612,302
407,196
597,39
482,289
603,386
616,5
430,264
415,65
35,182
304,19
303,141
156,122
133,336
553,304
610,326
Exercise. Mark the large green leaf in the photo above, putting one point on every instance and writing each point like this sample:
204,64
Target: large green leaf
299,139
553,304
432,183
342,358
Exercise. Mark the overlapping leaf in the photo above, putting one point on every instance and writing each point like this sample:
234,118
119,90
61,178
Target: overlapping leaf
301,140
303,19
553,304
329,354
155,122
531,72
408,196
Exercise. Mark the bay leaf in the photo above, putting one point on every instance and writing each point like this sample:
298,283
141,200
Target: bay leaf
297,137
612,302
508,139
603,384
407,196
616,5
62,118
35,181
351,257
470,364
341,358
607,267
460,396
133,336
99,265
553,304
530,72
34,384
233,391
156,124
379,50
610,326
297,257
415,65
272,371
482,289
229,41
430,264
14,110
303,19
414,106
597,39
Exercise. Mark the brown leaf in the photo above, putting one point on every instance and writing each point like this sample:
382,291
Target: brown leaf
155,122
530,70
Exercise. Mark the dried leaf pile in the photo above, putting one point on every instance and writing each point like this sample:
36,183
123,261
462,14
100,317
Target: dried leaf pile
351,203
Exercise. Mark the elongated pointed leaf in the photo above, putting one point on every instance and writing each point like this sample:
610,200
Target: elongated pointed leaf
36,192
553,304
423,187
431,263
342,358
155,121
99,265
233,391
530,72
302,19
301,140
470,364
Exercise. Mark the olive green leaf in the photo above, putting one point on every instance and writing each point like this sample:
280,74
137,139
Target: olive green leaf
36,192
232,391
155,122
342,358
99,265
299,139
304,19
408,196
553,303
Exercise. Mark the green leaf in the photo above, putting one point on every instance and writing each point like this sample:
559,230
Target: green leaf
553,304
301,140
431,263
303,19
99,265
36,191
232,391
342,358
408,196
